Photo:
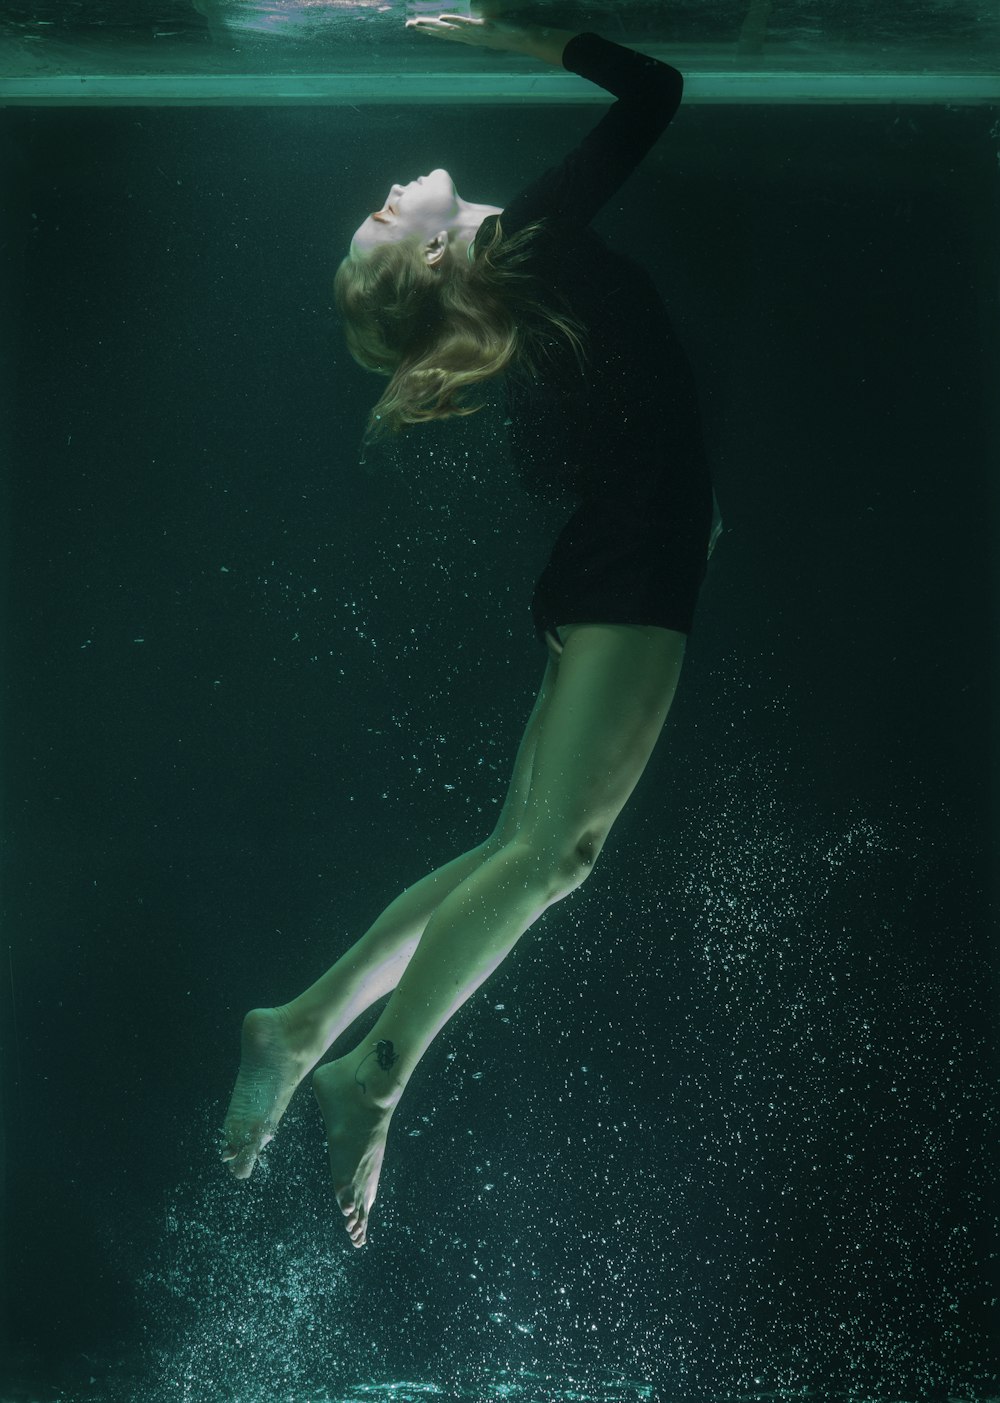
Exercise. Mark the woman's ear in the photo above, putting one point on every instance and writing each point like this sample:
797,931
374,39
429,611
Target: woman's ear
436,248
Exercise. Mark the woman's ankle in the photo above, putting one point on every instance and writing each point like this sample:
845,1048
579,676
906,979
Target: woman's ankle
305,1034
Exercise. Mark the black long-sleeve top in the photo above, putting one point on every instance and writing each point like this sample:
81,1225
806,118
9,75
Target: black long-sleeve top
629,428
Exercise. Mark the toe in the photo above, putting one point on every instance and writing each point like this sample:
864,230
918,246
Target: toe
236,1150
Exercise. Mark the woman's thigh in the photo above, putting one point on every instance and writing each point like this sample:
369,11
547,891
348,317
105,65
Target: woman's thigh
520,780
609,699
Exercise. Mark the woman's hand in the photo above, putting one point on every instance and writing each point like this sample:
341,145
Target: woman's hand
544,44
483,33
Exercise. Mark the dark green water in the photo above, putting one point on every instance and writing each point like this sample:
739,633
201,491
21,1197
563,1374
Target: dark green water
723,1125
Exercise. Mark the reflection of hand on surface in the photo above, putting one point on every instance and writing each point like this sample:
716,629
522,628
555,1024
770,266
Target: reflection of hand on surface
496,9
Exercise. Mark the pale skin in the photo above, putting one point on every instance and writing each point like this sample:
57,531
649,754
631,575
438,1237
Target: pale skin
603,701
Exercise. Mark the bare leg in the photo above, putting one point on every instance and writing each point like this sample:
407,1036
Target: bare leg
280,1045
614,689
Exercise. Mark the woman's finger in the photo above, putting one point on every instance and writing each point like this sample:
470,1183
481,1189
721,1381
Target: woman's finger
445,22
457,27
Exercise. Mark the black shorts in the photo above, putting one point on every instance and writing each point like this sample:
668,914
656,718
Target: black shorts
615,564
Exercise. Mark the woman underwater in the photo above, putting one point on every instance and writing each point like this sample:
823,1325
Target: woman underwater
440,294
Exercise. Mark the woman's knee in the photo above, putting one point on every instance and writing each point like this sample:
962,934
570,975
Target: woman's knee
554,867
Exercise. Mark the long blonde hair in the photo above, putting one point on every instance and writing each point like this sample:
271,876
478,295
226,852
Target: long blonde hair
437,331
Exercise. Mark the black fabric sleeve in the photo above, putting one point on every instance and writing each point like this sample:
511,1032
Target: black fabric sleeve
649,93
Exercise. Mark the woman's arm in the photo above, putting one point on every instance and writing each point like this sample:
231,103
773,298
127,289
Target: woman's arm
648,92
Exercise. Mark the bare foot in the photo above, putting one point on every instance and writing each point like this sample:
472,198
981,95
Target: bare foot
272,1064
355,1132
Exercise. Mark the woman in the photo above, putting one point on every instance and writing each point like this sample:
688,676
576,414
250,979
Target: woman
440,294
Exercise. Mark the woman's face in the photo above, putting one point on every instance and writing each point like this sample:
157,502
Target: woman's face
424,208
